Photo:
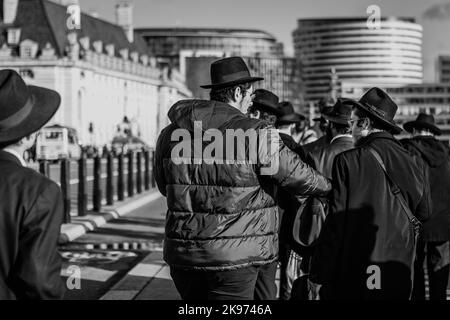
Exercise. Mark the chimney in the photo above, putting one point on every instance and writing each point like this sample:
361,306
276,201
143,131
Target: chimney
124,18
9,10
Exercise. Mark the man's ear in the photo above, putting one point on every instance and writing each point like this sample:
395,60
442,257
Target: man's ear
366,124
237,94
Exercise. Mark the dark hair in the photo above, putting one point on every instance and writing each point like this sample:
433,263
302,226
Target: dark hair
341,128
374,123
6,144
227,94
270,117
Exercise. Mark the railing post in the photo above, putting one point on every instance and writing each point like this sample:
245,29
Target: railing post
147,170
120,180
109,179
65,188
43,167
130,174
139,172
82,195
153,166
97,196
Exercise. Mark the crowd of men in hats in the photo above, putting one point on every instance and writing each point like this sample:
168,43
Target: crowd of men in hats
351,215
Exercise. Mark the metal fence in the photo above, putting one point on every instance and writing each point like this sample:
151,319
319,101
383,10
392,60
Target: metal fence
89,184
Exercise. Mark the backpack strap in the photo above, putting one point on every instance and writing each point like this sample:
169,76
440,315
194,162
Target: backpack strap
395,188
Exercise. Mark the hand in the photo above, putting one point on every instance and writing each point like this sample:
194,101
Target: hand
313,289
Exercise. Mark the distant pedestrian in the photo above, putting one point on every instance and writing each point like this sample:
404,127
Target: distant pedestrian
222,221
366,248
323,124
314,210
31,207
435,236
341,139
290,260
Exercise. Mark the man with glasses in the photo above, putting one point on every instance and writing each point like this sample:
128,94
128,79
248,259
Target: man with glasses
366,249
222,219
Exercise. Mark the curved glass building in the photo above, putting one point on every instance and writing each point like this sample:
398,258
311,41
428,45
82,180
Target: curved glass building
391,54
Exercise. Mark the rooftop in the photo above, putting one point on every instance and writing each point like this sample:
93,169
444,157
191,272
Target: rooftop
44,22
192,31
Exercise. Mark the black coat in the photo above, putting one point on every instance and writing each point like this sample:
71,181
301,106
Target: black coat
31,214
223,216
318,144
322,158
287,203
435,154
359,222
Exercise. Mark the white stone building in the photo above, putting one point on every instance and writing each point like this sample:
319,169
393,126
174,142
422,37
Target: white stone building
100,74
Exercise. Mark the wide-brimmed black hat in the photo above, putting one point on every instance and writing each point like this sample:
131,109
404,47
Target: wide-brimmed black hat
380,108
265,100
23,109
423,121
341,112
229,72
288,114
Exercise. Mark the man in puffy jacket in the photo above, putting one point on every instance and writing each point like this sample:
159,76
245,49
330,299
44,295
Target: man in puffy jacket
436,231
222,221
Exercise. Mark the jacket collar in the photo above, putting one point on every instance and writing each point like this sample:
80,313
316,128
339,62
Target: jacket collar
342,136
375,136
7,156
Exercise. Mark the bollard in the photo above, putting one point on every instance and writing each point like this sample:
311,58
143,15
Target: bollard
139,172
120,183
82,194
153,168
147,170
65,188
109,180
130,174
44,167
97,192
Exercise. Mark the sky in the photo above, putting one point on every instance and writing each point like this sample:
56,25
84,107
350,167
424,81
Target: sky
279,17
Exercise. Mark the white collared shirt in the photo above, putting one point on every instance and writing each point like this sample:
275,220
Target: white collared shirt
340,136
17,155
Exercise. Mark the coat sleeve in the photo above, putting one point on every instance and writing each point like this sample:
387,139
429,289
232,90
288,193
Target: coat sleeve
424,208
325,260
286,169
158,167
38,263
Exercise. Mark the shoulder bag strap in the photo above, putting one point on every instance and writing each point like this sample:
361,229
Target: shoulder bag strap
395,188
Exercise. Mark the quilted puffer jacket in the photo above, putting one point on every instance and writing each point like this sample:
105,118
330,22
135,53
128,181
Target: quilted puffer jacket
223,216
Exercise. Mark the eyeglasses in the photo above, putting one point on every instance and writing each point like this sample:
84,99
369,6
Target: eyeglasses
353,121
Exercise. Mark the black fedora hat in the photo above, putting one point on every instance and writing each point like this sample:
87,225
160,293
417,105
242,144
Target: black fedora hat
325,107
423,121
265,100
288,114
229,72
380,108
341,112
23,109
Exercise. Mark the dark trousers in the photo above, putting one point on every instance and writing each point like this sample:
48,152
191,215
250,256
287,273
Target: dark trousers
254,282
438,266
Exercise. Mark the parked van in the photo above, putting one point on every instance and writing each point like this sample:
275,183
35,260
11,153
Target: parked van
58,142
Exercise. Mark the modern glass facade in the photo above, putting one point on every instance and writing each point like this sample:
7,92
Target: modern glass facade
168,42
390,55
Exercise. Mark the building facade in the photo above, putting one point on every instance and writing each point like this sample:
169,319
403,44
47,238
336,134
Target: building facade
280,73
443,68
167,43
389,55
432,98
101,76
